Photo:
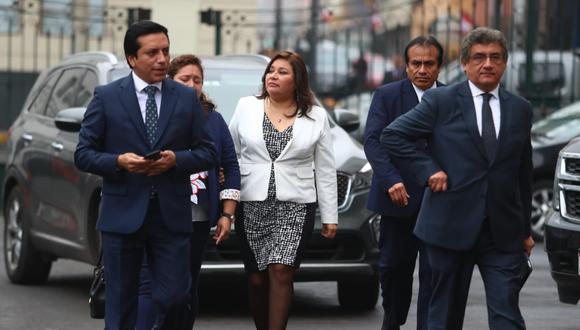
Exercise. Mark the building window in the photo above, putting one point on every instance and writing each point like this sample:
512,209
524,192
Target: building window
57,17
66,16
9,16
96,18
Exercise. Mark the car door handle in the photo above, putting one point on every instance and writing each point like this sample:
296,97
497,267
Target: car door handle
27,137
57,146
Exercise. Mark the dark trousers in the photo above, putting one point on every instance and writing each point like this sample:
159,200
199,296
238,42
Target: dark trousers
168,257
452,272
179,317
398,254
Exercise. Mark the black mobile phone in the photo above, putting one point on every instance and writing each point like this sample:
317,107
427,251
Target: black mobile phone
153,155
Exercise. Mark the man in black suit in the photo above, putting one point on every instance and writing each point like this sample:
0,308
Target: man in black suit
395,194
476,209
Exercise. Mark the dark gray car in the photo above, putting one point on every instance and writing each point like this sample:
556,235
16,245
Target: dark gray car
51,207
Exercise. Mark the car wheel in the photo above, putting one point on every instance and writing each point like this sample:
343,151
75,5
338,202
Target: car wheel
542,195
24,265
361,294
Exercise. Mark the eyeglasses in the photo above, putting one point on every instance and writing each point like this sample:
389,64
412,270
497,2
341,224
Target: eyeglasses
493,58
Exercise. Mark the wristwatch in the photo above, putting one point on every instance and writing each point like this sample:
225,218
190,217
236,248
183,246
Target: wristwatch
229,216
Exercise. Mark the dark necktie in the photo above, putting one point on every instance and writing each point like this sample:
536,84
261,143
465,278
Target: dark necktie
487,127
151,114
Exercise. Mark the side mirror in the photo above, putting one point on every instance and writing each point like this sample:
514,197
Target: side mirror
70,119
346,119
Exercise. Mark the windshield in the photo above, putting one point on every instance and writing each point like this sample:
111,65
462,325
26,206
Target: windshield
223,86
117,73
564,123
226,86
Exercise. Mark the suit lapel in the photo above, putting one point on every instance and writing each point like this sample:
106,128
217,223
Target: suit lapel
467,107
506,116
168,100
410,99
128,97
296,130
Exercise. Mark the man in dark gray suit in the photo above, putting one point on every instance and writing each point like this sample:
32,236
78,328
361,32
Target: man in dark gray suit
476,209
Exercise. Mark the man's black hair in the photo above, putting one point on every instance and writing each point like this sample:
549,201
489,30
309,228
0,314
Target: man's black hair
425,41
138,29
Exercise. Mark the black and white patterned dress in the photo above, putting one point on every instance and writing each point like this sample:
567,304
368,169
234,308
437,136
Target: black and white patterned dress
273,231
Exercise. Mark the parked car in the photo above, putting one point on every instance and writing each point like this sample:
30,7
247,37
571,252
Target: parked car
51,208
563,225
549,136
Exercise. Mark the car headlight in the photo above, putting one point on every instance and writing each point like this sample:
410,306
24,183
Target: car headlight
556,190
375,225
362,179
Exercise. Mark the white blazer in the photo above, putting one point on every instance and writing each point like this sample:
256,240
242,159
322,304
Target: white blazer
309,152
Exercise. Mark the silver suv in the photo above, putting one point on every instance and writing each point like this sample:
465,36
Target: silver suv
562,233
51,207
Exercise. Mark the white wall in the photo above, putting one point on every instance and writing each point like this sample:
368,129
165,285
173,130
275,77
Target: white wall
181,17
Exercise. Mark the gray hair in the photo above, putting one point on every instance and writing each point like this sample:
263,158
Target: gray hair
483,35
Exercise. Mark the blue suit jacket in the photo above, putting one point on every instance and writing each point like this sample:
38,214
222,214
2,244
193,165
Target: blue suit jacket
113,125
389,102
226,153
498,188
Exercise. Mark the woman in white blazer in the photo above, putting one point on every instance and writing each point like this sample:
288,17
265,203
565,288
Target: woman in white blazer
284,147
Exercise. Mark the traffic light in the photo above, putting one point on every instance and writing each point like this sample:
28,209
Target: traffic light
213,17
138,14
210,16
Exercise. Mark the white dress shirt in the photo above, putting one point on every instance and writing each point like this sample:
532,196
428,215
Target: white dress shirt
142,95
420,92
477,95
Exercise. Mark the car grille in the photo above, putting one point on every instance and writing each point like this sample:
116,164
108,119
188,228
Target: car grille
344,247
343,186
572,199
573,166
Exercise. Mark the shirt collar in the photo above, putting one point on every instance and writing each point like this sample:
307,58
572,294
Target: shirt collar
476,91
419,90
140,84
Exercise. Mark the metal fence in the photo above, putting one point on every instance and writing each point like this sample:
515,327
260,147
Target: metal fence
351,46
358,50
37,34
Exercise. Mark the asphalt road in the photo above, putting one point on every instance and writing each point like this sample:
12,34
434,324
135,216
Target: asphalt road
62,304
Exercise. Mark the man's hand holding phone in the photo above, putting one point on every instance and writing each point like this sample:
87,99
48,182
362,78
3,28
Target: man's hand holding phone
153,155
159,161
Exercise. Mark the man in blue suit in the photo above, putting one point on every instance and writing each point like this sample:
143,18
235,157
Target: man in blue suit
395,194
476,209
145,204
